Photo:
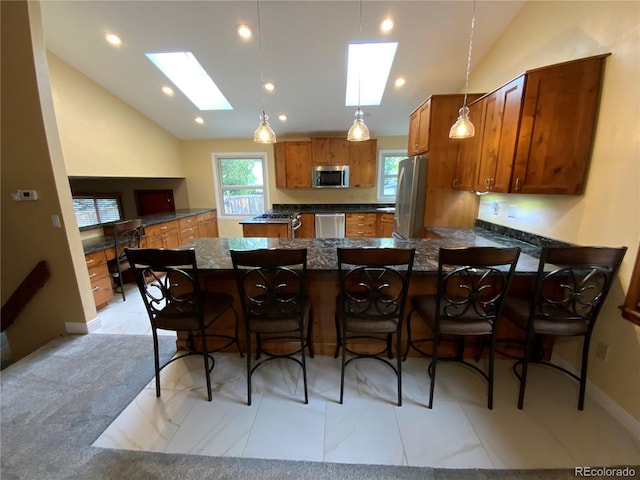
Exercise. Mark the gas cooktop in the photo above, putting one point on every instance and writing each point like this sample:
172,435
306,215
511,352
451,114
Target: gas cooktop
275,216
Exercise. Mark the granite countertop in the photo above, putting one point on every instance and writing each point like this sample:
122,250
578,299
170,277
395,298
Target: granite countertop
319,208
332,207
213,253
102,242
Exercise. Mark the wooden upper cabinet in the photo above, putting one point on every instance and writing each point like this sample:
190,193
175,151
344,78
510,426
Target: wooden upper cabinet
362,161
293,164
558,119
500,115
419,122
330,151
534,134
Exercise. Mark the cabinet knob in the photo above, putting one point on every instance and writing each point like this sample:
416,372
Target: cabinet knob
517,184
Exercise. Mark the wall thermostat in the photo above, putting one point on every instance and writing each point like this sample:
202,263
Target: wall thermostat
24,195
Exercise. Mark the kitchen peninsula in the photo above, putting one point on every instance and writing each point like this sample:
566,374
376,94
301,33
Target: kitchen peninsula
216,267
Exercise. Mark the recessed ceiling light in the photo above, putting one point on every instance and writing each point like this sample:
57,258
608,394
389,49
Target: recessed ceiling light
269,86
168,91
400,82
368,68
186,73
199,120
113,39
244,31
282,117
386,25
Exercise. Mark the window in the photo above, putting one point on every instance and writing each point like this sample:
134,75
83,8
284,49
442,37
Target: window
388,174
95,209
240,179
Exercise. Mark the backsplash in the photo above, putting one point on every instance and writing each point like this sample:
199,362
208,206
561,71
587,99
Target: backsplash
531,238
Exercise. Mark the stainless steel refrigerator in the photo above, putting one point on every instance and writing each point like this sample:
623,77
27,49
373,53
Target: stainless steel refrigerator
411,192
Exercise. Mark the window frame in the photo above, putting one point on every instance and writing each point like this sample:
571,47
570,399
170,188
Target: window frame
382,155
117,196
218,188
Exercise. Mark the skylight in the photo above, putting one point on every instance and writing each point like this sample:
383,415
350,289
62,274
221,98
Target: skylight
368,68
184,70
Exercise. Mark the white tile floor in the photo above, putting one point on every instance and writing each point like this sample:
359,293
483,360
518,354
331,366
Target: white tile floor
459,432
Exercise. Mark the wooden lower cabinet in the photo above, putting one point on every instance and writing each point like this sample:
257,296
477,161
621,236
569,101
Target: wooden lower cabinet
268,230
188,229
100,278
163,235
384,225
308,227
360,225
322,289
208,224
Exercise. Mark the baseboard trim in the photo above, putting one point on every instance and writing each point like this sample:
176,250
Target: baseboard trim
83,328
620,414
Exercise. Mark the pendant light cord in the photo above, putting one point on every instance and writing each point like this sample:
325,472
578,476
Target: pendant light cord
466,83
260,55
360,60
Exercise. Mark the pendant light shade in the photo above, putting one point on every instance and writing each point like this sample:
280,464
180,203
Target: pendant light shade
358,131
264,133
463,128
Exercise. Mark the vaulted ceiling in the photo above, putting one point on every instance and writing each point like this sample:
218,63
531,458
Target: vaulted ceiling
304,52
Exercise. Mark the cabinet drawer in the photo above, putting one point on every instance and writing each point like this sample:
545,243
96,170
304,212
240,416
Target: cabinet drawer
102,291
153,230
360,225
98,272
96,258
203,217
189,234
188,222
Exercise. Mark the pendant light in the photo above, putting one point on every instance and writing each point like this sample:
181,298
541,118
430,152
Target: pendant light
463,128
359,131
264,133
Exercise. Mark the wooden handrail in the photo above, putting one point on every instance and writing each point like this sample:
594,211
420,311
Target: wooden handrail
24,293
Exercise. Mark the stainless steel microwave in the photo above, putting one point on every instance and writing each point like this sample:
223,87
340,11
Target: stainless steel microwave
330,176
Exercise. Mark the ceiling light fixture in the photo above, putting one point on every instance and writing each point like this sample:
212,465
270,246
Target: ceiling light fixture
269,87
359,131
400,82
264,133
199,120
463,128
244,31
386,25
168,91
113,39
282,117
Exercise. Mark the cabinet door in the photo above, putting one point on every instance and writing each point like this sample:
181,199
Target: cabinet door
500,132
419,121
469,151
293,164
414,128
208,225
267,230
385,225
308,227
330,151
363,162
558,120
425,124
